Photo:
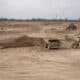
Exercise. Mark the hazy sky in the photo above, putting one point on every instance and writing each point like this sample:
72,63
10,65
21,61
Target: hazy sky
40,9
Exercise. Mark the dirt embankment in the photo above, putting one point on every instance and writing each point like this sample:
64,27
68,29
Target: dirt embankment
23,41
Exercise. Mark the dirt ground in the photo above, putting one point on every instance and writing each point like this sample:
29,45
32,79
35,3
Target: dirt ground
36,63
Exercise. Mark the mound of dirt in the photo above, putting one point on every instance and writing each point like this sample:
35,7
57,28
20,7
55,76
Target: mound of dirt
24,41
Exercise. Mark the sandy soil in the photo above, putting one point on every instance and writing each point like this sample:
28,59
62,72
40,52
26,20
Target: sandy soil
36,63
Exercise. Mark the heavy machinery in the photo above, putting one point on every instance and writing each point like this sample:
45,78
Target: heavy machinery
52,43
57,43
62,39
